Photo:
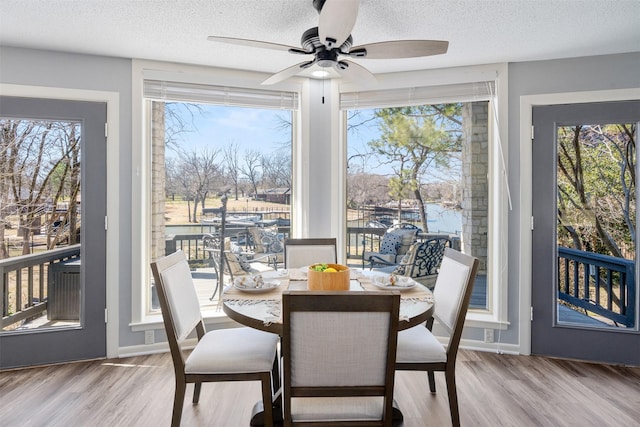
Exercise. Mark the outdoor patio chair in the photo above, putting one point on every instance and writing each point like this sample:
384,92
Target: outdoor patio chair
419,349
394,244
339,353
422,261
236,261
267,244
233,354
302,252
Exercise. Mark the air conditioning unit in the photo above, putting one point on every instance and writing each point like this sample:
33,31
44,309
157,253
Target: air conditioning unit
64,290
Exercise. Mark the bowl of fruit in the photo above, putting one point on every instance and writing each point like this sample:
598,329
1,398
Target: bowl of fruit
328,277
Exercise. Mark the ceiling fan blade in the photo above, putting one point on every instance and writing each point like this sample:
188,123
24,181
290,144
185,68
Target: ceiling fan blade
251,43
287,72
337,19
401,49
355,73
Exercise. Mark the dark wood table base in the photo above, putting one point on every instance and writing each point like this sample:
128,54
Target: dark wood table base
257,415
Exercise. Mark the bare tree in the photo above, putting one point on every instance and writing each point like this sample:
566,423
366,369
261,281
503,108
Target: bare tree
179,121
366,189
198,170
41,164
252,169
231,155
276,169
596,187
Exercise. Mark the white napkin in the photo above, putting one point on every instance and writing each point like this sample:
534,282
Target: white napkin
298,273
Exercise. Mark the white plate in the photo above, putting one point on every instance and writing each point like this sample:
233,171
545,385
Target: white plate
266,287
402,283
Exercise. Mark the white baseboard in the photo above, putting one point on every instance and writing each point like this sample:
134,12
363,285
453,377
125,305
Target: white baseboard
144,349
494,347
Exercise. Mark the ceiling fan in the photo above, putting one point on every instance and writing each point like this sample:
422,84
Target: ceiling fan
332,39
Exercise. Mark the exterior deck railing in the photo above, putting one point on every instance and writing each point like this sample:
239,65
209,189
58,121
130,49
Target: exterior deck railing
23,283
601,284
193,244
359,239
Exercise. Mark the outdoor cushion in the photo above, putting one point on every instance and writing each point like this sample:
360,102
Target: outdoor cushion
423,258
408,235
236,265
390,243
240,258
266,239
407,261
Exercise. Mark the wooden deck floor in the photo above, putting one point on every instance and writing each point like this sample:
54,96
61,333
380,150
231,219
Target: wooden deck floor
493,389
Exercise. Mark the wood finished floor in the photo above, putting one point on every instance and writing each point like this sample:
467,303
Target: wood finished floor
493,390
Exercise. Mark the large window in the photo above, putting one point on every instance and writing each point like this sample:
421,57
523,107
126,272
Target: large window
428,157
324,146
205,142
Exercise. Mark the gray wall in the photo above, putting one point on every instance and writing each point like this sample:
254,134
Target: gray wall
44,68
63,70
548,77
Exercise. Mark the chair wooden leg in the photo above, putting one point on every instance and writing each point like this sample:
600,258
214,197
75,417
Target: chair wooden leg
275,374
267,399
453,397
196,392
178,402
432,381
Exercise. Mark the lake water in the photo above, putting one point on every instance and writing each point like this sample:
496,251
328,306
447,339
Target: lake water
444,220
439,219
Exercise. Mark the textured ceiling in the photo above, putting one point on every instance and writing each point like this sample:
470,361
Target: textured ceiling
479,31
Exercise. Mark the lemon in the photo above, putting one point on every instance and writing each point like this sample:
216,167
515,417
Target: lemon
330,270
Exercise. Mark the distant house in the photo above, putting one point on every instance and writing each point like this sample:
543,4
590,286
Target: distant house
275,195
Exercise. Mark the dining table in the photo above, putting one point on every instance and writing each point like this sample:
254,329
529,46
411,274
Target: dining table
261,307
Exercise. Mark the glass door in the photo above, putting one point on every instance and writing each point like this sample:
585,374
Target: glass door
584,281
52,230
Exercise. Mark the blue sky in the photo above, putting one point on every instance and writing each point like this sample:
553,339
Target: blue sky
250,128
260,129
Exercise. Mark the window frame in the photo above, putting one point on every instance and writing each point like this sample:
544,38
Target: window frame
304,208
495,316
141,319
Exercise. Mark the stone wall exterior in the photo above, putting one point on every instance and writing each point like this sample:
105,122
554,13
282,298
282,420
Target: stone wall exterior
157,181
475,200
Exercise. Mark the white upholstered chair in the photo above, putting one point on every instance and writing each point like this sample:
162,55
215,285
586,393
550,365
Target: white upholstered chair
303,252
236,354
419,349
339,353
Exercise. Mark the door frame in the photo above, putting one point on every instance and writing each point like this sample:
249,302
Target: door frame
112,99
527,102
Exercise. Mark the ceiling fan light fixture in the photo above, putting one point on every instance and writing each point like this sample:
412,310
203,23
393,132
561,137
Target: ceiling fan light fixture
320,73
332,39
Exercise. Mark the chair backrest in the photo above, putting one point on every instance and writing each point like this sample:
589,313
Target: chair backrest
341,346
425,257
234,263
452,294
178,300
303,252
265,239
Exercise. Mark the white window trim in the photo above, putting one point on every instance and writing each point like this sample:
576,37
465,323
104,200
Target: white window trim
527,102
112,99
496,314
140,160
